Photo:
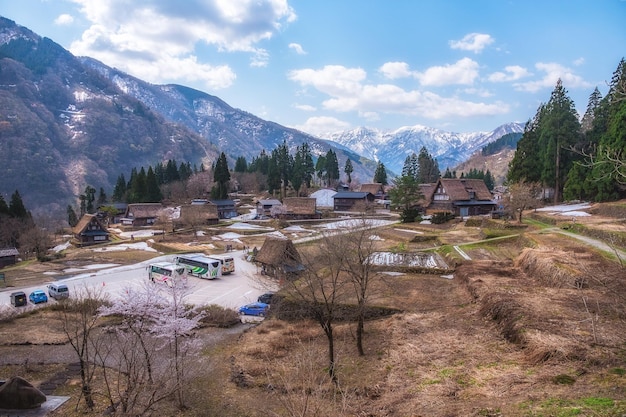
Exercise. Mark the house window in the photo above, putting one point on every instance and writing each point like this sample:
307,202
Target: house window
472,195
99,238
441,197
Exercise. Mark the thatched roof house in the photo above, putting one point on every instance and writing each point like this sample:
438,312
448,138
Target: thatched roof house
375,188
90,231
279,258
459,196
8,256
142,214
199,213
298,208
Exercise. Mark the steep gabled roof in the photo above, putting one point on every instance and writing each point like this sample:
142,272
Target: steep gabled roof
9,252
373,188
460,188
269,202
300,205
84,221
278,251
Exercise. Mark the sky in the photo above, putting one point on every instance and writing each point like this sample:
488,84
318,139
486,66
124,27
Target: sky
330,65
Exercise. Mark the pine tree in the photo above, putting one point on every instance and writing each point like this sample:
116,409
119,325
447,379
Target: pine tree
221,176
119,192
380,175
4,208
411,166
332,167
592,106
16,207
153,191
241,165
72,219
348,169
428,168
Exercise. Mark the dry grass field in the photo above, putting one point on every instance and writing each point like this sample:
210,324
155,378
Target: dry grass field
533,325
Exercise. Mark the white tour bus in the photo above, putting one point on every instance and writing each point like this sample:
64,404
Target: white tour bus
200,265
227,261
166,272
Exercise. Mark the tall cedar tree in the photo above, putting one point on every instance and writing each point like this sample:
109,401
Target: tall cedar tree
153,191
428,167
332,167
526,163
411,166
221,176
380,175
348,169
559,133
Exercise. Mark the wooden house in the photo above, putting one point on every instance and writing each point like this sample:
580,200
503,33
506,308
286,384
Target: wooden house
375,188
459,196
300,208
90,231
358,201
279,258
8,256
141,214
225,208
199,213
266,206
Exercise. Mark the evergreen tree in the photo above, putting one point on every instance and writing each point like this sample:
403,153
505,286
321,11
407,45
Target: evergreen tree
428,168
102,198
348,169
560,132
448,174
411,166
241,165
171,172
592,106
119,192
380,175
320,168
489,181
153,191
332,167
4,208
273,175
89,198
221,176
17,208
72,219
284,162
526,163
406,195
138,187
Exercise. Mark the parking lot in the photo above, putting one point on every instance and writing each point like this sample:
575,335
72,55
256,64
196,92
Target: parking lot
231,291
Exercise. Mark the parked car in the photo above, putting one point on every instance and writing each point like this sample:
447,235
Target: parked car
38,296
254,309
18,299
58,291
266,298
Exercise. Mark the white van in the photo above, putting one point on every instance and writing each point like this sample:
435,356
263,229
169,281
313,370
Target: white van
58,291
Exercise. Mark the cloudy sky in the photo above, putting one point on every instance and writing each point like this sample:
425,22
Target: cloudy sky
328,65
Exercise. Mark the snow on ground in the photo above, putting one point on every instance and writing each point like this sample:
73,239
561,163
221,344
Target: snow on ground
295,229
248,216
248,226
324,198
571,210
140,233
228,236
124,246
61,247
89,268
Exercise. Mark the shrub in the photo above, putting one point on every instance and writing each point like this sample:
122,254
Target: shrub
442,217
410,215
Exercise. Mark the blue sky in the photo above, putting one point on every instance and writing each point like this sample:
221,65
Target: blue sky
328,65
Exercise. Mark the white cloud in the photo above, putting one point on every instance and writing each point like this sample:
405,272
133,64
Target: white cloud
298,48
395,70
578,62
552,72
305,107
464,71
133,35
474,42
511,73
348,92
64,19
323,125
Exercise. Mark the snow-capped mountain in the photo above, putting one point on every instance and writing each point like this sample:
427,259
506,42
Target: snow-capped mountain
392,147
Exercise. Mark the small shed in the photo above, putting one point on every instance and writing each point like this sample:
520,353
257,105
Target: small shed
8,256
279,258
352,201
266,206
90,230
225,208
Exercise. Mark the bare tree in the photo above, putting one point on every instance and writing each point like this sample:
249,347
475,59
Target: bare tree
322,287
78,316
360,245
523,196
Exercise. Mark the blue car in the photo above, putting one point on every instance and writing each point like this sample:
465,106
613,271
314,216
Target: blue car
254,309
38,296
